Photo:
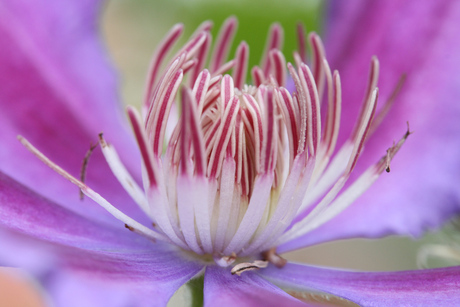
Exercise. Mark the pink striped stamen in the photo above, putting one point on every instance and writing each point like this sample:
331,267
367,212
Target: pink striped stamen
223,43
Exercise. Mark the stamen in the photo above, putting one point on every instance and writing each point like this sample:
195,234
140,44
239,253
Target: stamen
269,143
303,109
241,65
226,90
272,257
210,99
239,142
226,260
225,201
334,110
205,26
200,89
224,68
297,59
371,85
85,165
165,45
223,43
222,137
162,88
192,132
141,229
188,65
257,76
363,130
391,152
162,113
123,176
286,105
256,116
248,266
187,198
215,80
278,64
301,42
245,169
318,55
201,57
192,46
274,41
388,105
313,111
210,136
146,154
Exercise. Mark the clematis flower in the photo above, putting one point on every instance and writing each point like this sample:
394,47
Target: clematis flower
247,171
227,187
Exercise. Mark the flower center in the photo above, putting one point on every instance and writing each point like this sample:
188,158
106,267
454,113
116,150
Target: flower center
246,167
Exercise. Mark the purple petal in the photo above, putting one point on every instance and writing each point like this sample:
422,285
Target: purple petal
59,92
134,278
223,289
101,278
24,211
25,252
108,253
151,276
61,286
436,287
421,191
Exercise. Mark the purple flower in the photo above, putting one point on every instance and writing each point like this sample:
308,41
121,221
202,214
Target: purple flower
247,171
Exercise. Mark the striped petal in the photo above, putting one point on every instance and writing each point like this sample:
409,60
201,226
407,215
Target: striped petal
437,287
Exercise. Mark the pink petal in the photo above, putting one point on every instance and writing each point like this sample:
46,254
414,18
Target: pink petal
59,91
436,287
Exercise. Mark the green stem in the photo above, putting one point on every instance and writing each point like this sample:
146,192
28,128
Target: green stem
196,286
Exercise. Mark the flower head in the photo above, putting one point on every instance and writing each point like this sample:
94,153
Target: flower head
246,167
58,91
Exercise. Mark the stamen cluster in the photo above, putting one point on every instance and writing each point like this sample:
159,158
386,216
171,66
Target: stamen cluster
245,167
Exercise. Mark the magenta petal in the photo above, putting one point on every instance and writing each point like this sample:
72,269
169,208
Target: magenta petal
421,40
436,287
59,91
223,289
24,211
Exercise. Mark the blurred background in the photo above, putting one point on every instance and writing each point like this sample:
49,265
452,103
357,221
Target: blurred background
133,28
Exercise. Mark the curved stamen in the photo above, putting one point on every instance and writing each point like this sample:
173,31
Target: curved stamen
223,43
157,58
274,41
139,228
